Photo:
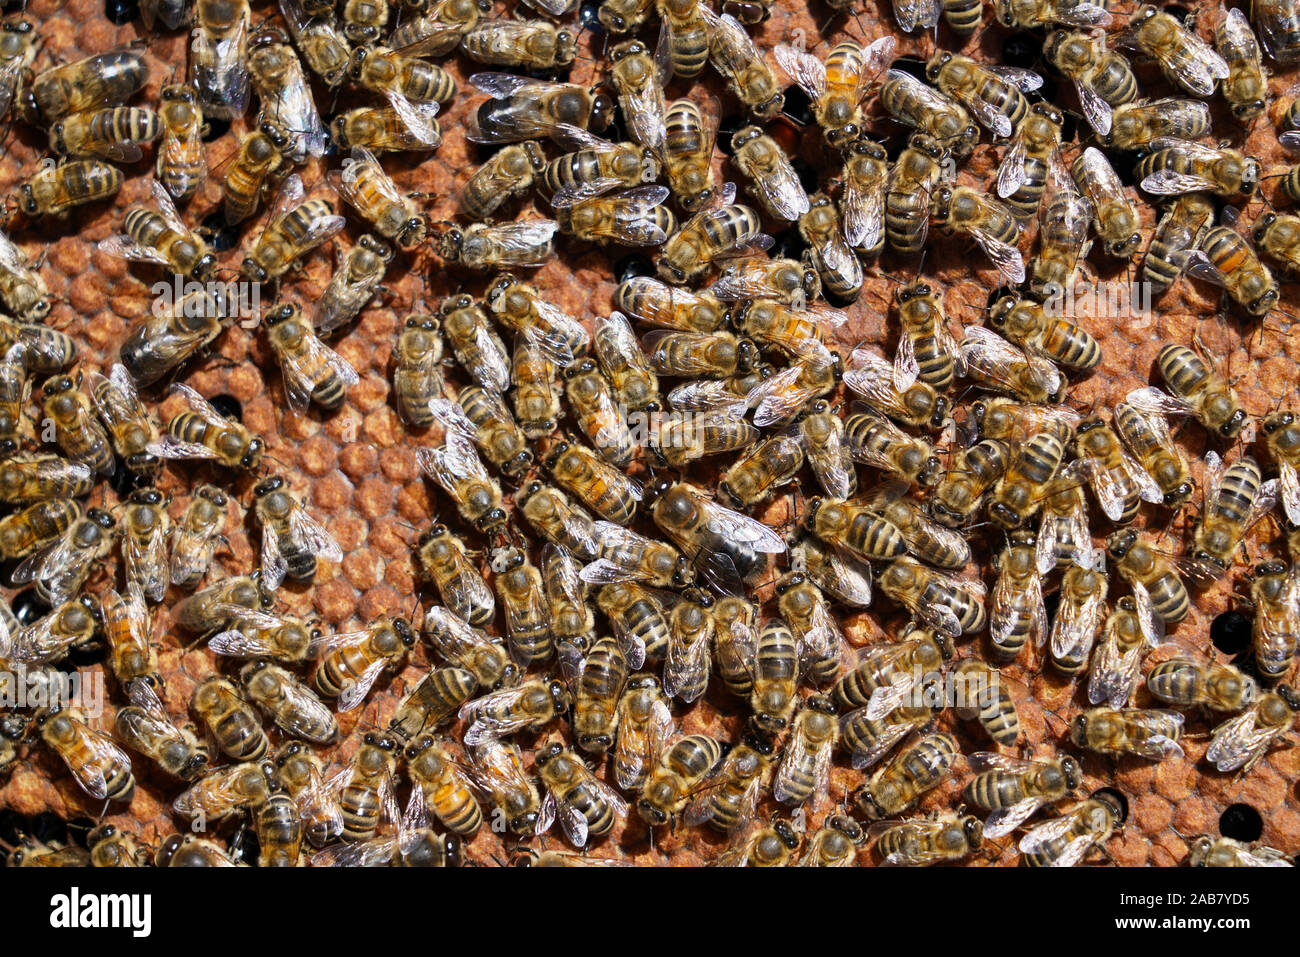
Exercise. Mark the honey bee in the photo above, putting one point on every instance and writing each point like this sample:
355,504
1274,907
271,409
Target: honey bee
774,182
537,393
927,540
862,202
519,587
881,384
217,607
1140,125
586,807
919,768
457,468
874,440
596,701
988,221
735,642
284,93
989,702
1116,479
638,77
195,536
784,281
1186,60
219,57
534,44
1245,87
31,478
233,723
726,547
943,122
439,27
200,432
1114,217
1157,589
638,618
182,165
129,426
1150,733
279,830
294,229
1189,682
417,380
403,80
354,283
558,520
115,133
624,16
36,526
686,33
682,768
1017,615
523,309
1236,497
1197,390
1206,851
1177,166
625,555
837,87
110,847
168,337
922,842
754,846
298,771
838,267
443,560
1276,22
1078,617
22,291
322,43
834,844
477,348
292,540
482,417
367,793
71,625
1273,591
77,432
679,440
1027,14
521,109
288,702
954,606
1013,789
445,786
257,164
469,648
145,527
856,527
433,701
1241,741
56,188
686,153
962,487
572,622
365,187
634,218
145,726
498,769
1181,229
608,492
510,245
756,475
887,675
100,767
44,350
1118,656
17,52
60,571
350,663
625,364
101,80
992,94
1282,437
1021,491
1278,235
644,725
710,235
160,237
652,302
384,130
509,173
190,851
804,770
749,77
253,633
15,390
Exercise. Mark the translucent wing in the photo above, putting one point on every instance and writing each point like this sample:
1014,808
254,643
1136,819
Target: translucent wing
648,739
861,760
1007,258
863,210
1158,724
1010,601
804,68
306,713
1114,674
1011,172
1237,741
1157,402
1097,111
417,117
356,692
1004,820
146,561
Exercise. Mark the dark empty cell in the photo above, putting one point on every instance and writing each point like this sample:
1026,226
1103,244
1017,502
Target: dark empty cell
120,12
28,607
1069,126
1179,13
123,481
79,829
787,245
797,105
1230,632
910,64
220,236
49,828
1115,797
1051,602
1045,93
728,128
13,827
217,128
228,406
588,16
1125,163
1021,50
1241,822
80,656
632,266
807,176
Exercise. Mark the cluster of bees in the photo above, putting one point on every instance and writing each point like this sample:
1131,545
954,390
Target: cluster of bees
598,581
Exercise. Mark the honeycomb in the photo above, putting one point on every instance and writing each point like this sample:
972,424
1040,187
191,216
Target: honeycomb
356,469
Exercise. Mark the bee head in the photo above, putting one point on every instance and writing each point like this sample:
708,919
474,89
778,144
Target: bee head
267,486
254,455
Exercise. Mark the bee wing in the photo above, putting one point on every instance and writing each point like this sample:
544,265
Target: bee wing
1237,741
1147,488
1004,820
1166,182
864,214
802,67
783,191
989,116
981,761
730,47
1163,728
1007,604
734,527
1197,66
1026,80
376,852
1011,172
1081,15
1097,111
123,246
313,534
356,692
237,644
503,85
686,670
146,561
318,803
648,744
887,698
146,699
1075,627
289,195
1157,402
274,564
1007,258
605,570
452,463
306,714
492,368
89,773
783,785
1289,487
296,109
778,397
163,200
1114,674
985,352
846,577
616,344
452,417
